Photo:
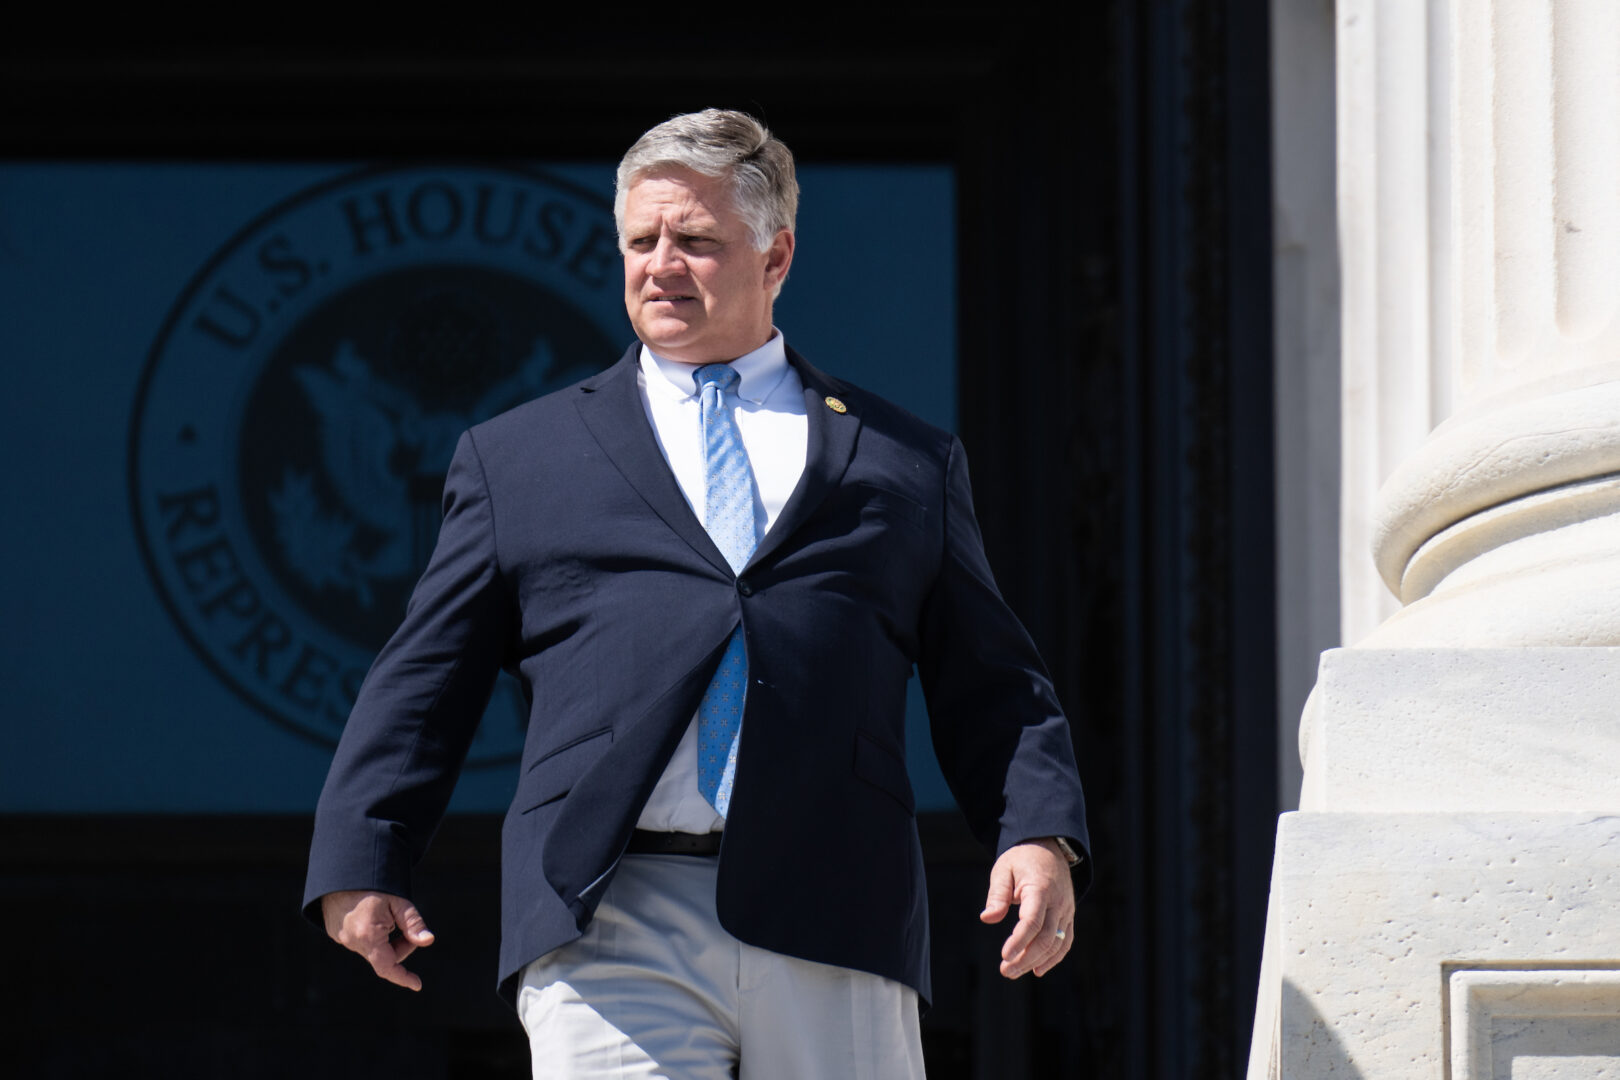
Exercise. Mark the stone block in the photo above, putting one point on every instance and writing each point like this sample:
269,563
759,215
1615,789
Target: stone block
1464,730
1375,914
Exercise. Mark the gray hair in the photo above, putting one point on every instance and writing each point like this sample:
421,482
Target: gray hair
720,143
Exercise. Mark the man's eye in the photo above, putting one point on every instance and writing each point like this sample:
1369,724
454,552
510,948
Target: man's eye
639,243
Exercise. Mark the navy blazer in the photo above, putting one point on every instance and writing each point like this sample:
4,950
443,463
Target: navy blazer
569,557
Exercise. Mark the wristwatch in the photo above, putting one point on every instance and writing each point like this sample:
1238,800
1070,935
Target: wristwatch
1068,852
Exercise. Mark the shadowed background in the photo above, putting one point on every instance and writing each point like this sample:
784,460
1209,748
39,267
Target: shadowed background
1058,246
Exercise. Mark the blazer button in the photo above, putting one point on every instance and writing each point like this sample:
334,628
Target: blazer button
744,588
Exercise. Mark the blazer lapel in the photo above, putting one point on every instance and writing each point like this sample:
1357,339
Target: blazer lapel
610,405
830,445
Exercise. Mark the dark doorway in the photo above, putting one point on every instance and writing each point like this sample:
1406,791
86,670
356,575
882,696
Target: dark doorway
1113,329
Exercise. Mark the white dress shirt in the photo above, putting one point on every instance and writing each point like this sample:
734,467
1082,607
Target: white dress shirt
775,433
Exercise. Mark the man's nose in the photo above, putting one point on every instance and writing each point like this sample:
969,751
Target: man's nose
666,258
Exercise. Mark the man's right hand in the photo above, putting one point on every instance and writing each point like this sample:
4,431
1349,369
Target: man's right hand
365,922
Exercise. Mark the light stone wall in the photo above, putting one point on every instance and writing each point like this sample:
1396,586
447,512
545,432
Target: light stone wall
1530,729
1379,914
1444,905
1306,369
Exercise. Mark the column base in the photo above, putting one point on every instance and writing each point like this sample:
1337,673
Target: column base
1466,945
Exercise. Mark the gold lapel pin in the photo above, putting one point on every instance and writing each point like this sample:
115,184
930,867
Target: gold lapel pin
835,405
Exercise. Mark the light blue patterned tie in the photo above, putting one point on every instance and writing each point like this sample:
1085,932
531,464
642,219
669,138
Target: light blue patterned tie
728,514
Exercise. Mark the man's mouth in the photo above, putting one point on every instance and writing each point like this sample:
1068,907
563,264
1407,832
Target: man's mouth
669,298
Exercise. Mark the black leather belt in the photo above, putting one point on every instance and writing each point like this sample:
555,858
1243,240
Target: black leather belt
644,842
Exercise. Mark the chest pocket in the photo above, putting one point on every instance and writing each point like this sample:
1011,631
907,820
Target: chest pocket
881,502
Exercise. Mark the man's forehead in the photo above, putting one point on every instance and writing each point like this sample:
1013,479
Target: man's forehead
675,210
690,195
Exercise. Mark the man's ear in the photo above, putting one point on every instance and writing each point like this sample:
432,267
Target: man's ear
778,257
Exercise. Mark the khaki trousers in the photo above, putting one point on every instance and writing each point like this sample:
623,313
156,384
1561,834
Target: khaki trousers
656,988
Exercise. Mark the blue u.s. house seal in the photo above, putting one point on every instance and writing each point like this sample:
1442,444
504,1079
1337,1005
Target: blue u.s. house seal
300,405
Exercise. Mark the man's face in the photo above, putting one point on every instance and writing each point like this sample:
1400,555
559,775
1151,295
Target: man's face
694,286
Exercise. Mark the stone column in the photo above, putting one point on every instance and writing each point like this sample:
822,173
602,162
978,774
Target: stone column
1447,901
1501,528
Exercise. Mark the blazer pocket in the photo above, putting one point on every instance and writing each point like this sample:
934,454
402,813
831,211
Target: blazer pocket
882,500
553,774
884,769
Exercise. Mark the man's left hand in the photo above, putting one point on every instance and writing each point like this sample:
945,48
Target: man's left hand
1034,876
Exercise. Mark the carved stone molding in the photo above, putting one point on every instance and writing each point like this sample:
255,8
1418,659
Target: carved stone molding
1532,1023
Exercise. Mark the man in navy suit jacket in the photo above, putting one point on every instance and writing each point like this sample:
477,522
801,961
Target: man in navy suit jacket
572,553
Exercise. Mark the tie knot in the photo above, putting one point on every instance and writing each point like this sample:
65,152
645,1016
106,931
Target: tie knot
723,376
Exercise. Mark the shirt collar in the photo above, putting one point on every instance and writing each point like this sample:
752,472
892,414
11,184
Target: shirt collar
759,372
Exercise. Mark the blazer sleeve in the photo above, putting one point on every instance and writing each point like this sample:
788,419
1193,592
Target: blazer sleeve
1001,737
418,707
